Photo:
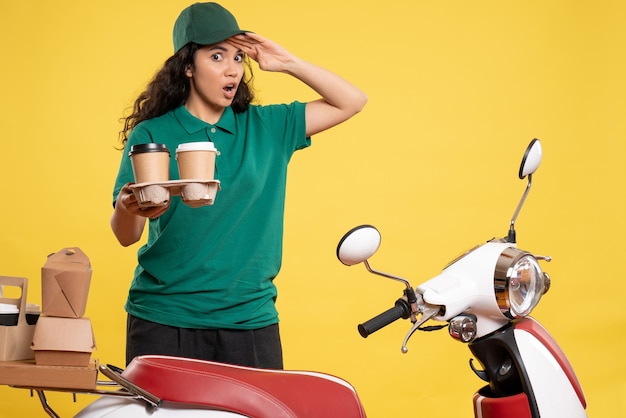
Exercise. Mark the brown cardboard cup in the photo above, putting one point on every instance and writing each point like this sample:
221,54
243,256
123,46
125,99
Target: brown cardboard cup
196,160
151,162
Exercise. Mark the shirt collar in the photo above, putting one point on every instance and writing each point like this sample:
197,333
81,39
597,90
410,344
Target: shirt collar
192,124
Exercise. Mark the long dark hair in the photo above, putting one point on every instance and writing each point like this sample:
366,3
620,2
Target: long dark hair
170,88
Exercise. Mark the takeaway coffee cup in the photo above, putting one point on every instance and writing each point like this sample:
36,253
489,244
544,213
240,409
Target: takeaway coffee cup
33,312
151,162
196,160
8,314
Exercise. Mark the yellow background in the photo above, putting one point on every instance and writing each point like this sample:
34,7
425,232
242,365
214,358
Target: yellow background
456,91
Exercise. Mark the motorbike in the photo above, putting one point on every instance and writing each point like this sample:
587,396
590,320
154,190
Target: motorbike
484,298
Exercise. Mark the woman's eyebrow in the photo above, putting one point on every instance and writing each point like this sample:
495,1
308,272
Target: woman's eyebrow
217,47
221,47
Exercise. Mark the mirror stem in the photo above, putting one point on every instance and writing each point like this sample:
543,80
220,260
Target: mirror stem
511,236
389,276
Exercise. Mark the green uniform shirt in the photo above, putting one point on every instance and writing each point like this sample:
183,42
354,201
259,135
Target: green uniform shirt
213,266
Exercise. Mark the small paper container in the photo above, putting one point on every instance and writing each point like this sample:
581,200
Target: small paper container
151,162
32,313
196,160
9,314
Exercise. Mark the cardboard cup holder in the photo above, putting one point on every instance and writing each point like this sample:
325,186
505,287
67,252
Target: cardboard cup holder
16,334
195,193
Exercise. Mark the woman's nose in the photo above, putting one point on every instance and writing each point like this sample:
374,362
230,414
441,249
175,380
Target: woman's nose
232,69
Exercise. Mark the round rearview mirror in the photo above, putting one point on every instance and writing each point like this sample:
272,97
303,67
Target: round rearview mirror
532,159
358,244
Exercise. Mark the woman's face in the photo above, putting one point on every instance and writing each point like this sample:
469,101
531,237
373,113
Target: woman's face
215,76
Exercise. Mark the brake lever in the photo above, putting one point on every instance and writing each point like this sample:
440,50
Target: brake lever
427,313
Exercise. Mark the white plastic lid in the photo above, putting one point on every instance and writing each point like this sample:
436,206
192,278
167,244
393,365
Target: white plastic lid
7,308
196,146
33,308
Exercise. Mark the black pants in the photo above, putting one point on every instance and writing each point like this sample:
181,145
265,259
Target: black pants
252,348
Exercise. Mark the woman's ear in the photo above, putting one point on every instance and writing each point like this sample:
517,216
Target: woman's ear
189,71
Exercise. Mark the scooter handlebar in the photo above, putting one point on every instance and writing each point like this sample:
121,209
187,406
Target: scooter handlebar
401,309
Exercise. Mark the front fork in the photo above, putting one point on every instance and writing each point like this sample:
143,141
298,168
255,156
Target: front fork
507,393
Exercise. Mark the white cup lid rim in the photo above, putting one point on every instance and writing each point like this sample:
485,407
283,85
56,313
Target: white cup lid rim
196,146
7,308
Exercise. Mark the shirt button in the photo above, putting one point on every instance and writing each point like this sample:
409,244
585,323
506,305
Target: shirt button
213,130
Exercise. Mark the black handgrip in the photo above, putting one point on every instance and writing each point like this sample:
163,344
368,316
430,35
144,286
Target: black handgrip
401,309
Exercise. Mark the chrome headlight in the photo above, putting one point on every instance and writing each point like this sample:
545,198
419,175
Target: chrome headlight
519,283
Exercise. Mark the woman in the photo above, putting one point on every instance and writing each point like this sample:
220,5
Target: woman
203,287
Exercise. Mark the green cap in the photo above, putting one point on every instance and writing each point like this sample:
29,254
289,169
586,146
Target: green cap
204,24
